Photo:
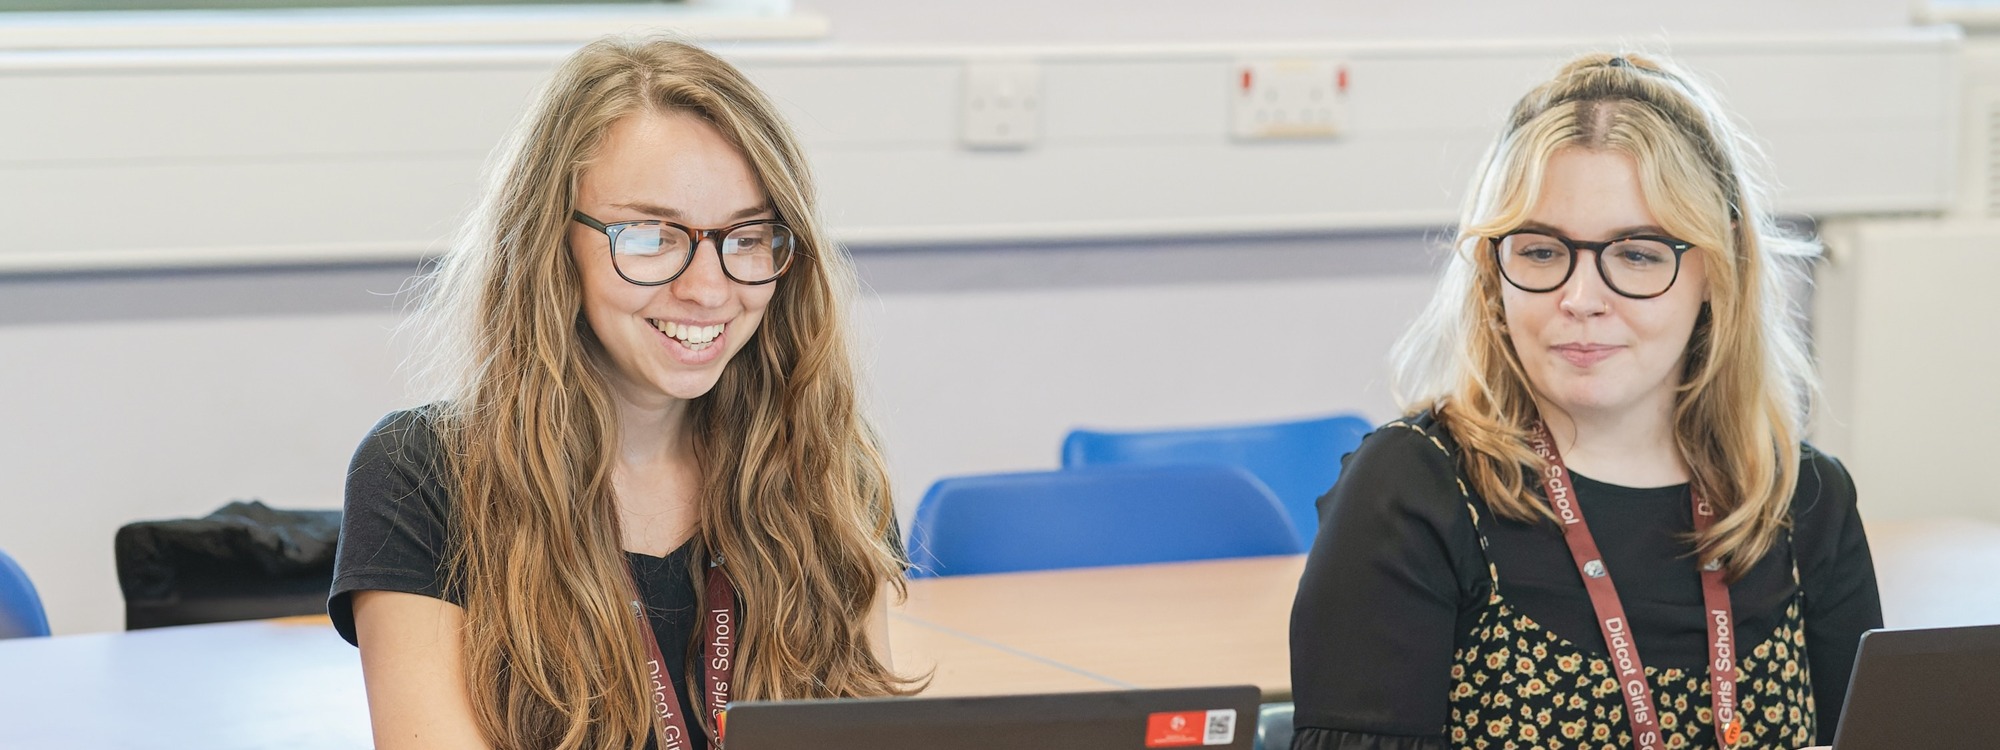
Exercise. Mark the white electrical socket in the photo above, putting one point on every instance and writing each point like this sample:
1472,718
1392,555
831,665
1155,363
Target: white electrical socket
1002,105
1288,99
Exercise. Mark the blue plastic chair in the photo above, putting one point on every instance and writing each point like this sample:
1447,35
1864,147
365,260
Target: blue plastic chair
1298,460
1112,515
21,614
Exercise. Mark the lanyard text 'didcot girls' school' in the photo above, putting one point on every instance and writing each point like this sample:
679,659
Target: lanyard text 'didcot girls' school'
1717,612
718,661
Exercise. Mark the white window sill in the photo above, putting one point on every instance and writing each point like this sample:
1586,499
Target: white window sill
448,25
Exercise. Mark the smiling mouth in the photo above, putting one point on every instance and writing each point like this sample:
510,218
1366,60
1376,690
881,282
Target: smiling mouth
1585,355
695,338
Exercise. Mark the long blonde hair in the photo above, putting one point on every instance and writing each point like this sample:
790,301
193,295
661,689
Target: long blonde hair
1740,409
793,494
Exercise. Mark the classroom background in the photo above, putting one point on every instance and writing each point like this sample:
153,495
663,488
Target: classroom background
208,231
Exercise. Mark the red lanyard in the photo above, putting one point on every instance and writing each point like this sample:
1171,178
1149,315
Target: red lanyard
718,650
1717,612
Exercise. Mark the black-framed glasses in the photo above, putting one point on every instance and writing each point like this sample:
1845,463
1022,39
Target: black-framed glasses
651,253
1640,266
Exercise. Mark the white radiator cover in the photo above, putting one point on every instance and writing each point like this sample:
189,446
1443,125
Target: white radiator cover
1907,325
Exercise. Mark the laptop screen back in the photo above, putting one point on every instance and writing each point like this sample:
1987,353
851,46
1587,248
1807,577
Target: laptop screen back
1937,689
1138,719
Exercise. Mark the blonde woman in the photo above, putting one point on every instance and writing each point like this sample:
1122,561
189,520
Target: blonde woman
1599,526
646,490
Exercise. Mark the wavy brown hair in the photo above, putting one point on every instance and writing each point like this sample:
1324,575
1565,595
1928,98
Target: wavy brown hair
793,491
1740,409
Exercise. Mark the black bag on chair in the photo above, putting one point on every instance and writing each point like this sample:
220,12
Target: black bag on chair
245,561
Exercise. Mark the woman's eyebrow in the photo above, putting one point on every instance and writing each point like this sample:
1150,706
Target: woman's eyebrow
1536,226
673,214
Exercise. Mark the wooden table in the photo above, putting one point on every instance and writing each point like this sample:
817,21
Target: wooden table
1213,622
295,684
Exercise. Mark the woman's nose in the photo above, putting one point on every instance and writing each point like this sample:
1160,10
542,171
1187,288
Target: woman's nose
704,283
1585,294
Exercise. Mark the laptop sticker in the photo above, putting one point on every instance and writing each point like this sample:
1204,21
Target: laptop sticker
1191,728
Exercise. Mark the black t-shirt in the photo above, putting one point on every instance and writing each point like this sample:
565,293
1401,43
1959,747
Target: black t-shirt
397,524
1397,575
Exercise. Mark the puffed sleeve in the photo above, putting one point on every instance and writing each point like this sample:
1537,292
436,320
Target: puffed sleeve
1383,597
1838,575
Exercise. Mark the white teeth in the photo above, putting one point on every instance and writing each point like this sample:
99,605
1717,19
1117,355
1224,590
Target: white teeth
691,335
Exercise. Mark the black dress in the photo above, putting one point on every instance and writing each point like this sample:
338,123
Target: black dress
1425,621
393,537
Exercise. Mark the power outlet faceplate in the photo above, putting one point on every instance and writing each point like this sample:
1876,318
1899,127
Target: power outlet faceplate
1289,99
1002,105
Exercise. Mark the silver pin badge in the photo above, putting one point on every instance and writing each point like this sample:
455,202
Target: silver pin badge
1594,569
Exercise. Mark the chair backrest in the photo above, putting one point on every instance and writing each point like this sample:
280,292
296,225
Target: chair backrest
1298,460
21,614
1113,515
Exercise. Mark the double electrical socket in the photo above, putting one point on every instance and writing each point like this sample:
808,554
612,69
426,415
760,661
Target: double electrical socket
1002,105
1296,98
1271,99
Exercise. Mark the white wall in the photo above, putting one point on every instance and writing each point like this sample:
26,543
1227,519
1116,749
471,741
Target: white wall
1091,21
135,395
165,395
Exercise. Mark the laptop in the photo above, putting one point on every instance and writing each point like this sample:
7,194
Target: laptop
1218,717
1937,689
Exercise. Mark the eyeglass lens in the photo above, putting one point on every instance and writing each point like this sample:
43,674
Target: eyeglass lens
1633,267
751,254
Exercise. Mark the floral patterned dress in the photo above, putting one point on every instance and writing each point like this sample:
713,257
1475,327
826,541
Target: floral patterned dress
1517,685
1407,635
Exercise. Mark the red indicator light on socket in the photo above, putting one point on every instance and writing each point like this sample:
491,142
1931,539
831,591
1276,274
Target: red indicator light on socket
1246,79
1340,80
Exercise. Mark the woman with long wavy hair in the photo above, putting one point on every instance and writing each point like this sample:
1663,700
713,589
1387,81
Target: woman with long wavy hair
645,488
1599,525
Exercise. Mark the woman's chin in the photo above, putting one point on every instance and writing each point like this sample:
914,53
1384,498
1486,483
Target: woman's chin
1581,399
687,386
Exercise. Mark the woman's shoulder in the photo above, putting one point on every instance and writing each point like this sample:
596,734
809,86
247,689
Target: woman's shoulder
406,438
1823,480
1401,502
400,458
1406,466
1419,446
1824,495
1420,430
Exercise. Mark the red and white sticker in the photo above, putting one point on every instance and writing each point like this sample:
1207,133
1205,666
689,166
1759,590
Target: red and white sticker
1191,728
